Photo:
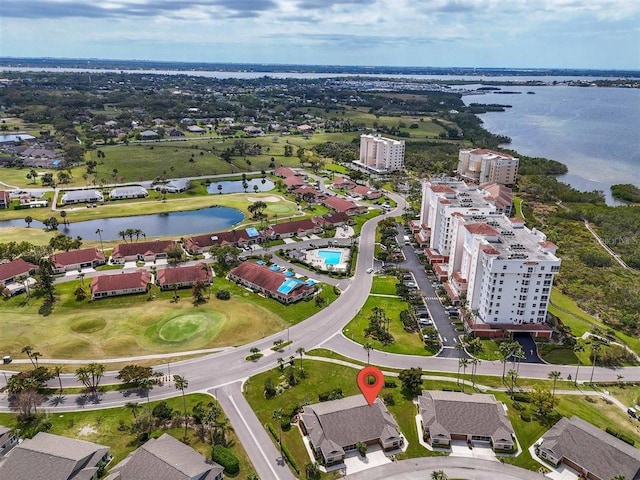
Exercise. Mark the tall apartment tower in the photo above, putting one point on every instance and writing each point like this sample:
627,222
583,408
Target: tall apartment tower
505,270
484,166
380,154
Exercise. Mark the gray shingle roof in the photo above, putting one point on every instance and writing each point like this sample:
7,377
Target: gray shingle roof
165,458
52,457
337,424
464,414
591,448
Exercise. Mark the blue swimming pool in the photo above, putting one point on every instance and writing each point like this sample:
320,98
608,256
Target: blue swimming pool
331,257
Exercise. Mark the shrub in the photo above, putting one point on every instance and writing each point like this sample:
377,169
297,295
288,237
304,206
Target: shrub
525,417
521,397
285,423
334,394
223,295
620,436
162,411
390,384
226,458
388,399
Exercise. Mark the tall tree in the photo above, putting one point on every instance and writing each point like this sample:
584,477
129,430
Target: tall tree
28,220
28,349
57,370
181,384
513,375
463,362
411,379
555,375
300,351
596,346
577,348
45,279
277,416
368,347
99,233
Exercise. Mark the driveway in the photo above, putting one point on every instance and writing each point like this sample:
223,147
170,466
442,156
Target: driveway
483,452
529,347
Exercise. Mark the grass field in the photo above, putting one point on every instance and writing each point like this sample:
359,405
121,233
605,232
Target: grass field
132,324
384,285
101,427
405,343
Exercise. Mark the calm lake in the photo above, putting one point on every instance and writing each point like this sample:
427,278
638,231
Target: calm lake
174,224
235,186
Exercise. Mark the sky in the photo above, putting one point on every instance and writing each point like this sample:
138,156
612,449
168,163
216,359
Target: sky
594,34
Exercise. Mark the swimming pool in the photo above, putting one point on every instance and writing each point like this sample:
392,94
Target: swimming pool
331,257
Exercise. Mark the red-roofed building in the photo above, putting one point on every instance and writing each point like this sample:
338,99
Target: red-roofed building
500,195
16,268
293,182
335,219
309,194
5,199
235,238
482,229
365,192
284,172
300,228
342,182
183,276
141,251
346,206
76,260
120,284
272,284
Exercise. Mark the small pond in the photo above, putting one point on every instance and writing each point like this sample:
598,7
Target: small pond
235,186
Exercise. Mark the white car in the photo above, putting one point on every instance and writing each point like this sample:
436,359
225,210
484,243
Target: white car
369,270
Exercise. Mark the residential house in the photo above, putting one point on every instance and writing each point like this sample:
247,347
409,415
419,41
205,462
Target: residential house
183,276
196,129
235,238
335,427
294,182
591,452
165,458
300,228
132,191
252,130
342,182
76,260
341,205
149,135
52,457
270,282
5,199
8,440
473,417
335,219
176,185
141,251
120,284
174,132
365,192
309,194
81,196
284,172
305,128
10,271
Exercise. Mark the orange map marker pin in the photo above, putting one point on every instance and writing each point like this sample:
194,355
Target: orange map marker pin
370,389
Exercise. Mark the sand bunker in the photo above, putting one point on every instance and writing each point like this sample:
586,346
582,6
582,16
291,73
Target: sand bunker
264,199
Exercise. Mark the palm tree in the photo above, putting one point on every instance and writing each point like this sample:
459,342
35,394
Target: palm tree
133,406
219,189
368,347
63,214
577,348
300,351
595,349
439,475
57,370
123,234
28,349
506,348
280,361
463,362
35,355
474,366
99,233
28,221
181,384
81,278
513,374
277,416
147,384
555,375
211,418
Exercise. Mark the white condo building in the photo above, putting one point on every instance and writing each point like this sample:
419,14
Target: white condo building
380,154
505,270
480,165
442,199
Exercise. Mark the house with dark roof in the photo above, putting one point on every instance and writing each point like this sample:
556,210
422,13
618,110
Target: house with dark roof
335,427
8,440
81,196
472,417
339,204
149,135
334,219
120,284
52,457
76,260
272,283
131,191
141,251
183,276
591,452
300,228
16,268
235,238
5,199
165,458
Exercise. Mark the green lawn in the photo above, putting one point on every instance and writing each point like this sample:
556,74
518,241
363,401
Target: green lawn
101,426
121,326
384,285
489,350
405,343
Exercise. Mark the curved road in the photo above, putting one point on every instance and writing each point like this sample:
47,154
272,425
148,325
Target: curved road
222,374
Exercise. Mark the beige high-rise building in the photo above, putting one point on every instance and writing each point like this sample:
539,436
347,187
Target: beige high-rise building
480,165
380,154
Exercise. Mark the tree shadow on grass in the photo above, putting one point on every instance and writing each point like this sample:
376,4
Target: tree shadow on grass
46,309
